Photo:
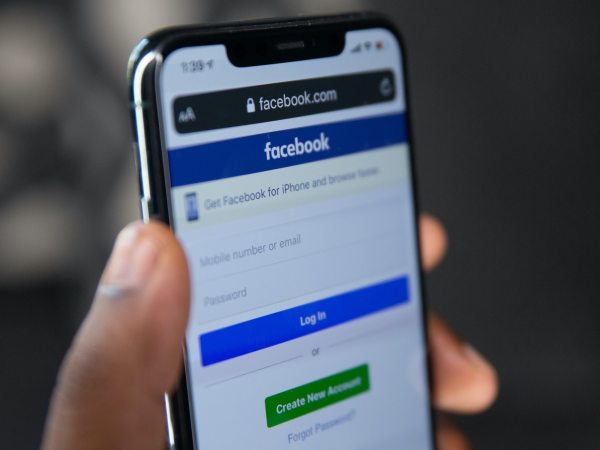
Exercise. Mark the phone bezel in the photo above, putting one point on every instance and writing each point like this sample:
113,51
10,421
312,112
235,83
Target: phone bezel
151,158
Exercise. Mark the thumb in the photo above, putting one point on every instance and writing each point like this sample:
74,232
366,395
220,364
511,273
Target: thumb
111,386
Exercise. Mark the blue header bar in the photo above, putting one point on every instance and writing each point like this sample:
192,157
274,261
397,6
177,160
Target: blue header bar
269,151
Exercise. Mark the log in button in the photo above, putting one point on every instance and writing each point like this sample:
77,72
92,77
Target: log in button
283,326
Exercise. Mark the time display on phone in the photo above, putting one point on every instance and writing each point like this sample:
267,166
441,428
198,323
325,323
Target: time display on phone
197,65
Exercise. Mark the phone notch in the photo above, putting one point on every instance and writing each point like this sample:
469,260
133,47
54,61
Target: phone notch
274,47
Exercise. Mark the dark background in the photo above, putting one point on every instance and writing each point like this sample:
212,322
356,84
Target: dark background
505,99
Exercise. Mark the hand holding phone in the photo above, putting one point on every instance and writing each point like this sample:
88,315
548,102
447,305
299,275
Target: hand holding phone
293,199
109,395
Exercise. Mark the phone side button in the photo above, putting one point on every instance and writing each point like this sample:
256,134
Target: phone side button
145,209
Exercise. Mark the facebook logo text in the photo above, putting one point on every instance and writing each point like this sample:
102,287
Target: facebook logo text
297,147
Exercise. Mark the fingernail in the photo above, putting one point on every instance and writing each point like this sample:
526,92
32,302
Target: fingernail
133,258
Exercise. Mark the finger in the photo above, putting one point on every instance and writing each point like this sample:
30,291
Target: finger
434,241
128,351
449,437
463,381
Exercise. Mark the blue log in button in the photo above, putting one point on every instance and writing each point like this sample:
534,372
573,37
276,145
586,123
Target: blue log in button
266,331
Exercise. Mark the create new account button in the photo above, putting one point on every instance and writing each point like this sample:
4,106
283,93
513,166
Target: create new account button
296,402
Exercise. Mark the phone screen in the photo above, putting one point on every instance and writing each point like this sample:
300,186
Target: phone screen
291,192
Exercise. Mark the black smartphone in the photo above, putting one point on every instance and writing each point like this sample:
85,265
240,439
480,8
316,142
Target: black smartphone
279,153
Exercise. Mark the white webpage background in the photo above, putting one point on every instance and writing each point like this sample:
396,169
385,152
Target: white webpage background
377,247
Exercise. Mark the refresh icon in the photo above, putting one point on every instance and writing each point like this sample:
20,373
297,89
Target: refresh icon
385,87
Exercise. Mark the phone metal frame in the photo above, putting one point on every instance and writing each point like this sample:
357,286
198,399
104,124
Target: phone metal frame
151,155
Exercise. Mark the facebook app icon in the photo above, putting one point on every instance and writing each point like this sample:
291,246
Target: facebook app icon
191,207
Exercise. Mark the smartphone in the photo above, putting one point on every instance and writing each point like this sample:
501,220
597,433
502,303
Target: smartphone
279,153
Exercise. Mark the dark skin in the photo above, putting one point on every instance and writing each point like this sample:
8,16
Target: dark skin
127,353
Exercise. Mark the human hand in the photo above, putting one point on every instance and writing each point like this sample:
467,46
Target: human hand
463,382
127,353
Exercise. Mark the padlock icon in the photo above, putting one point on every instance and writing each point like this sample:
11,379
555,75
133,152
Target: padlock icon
250,108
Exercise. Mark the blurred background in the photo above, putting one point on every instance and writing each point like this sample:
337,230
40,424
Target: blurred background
506,114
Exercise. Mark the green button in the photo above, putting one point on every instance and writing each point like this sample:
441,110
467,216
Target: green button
296,402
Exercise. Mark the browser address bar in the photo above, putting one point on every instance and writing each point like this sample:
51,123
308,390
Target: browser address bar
269,102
